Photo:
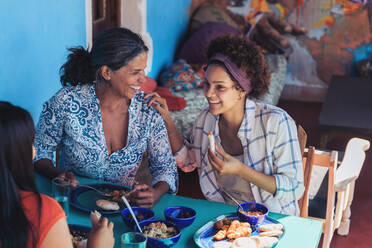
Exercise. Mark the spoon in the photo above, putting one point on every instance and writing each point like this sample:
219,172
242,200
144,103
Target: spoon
232,198
131,212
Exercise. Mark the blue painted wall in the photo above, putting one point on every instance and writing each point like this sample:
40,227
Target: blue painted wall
35,34
33,40
166,23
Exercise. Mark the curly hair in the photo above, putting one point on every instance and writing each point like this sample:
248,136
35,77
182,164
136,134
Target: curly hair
248,57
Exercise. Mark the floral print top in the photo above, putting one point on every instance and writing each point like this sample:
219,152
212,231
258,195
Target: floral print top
71,119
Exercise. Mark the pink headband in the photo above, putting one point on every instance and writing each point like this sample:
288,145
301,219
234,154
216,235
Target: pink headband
238,74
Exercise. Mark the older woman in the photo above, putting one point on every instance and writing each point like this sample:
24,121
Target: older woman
257,152
101,121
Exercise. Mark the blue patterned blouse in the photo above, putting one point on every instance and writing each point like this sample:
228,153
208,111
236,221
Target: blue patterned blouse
72,120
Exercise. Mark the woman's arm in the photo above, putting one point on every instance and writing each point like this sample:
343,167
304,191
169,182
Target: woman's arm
184,155
160,104
58,236
288,160
287,181
46,168
146,196
231,165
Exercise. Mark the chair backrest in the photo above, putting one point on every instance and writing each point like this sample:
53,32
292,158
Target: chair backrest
307,162
302,138
352,162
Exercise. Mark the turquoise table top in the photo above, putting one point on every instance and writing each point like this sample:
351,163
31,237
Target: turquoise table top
299,232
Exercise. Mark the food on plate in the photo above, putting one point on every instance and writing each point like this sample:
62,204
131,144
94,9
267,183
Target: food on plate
95,217
159,230
238,229
221,244
234,230
107,205
245,242
212,143
274,233
265,242
79,239
224,222
270,227
139,217
117,194
271,230
250,212
221,234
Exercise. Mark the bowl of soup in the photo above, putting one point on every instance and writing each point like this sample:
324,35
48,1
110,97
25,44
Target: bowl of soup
252,212
140,213
180,215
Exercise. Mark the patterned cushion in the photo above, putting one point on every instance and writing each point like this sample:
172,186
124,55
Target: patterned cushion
180,76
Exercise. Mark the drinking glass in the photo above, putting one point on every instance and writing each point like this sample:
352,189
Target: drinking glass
61,192
133,240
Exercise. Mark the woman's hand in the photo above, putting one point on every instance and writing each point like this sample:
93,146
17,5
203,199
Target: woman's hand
69,175
146,196
159,103
102,235
228,165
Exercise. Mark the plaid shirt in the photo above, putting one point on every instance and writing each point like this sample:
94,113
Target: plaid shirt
270,144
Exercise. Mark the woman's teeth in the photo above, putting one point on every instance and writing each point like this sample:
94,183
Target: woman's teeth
136,87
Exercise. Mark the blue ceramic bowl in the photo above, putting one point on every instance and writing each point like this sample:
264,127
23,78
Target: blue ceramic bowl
158,242
252,218
179,215
141,214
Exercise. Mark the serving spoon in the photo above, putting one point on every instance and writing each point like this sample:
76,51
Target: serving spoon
232,198
131,212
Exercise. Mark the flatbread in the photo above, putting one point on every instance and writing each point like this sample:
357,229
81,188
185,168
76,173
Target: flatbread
245,242
212,143
222,244
265,242
275,233
107,205
270,227
95,217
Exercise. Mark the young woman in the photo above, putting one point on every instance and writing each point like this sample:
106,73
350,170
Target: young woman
101,121
30,219
257,152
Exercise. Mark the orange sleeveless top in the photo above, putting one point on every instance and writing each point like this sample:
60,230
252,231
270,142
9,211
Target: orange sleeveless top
51,212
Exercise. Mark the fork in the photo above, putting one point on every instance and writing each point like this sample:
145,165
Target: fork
90,187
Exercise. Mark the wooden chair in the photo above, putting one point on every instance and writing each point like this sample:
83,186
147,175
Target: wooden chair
341,181
307,161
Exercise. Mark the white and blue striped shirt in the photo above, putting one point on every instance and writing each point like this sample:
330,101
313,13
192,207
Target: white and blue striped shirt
270,145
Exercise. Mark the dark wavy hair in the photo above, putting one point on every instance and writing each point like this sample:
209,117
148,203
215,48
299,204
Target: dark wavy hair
17,134
114,47
247,56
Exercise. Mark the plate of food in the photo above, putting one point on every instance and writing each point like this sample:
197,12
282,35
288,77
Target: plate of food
87,199
227,231
79,235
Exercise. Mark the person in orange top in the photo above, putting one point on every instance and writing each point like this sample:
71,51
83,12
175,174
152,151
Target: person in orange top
28,218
